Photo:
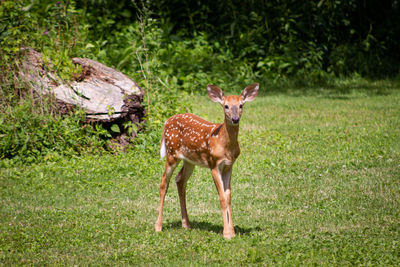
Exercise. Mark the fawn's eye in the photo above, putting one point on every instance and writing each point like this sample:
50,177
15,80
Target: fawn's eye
240,106
226,106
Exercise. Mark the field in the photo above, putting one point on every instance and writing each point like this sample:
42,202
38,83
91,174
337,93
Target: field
317,183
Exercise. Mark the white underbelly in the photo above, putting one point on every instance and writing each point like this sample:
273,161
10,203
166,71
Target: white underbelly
194,162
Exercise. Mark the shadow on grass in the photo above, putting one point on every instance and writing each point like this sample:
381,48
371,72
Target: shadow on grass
210,227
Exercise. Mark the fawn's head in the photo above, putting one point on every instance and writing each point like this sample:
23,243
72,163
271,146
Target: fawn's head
233,105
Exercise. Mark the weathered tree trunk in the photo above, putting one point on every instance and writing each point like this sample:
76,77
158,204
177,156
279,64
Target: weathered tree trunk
108,96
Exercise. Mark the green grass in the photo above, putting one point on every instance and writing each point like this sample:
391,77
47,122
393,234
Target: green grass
317,183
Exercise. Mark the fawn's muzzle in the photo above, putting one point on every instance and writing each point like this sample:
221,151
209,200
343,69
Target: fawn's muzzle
235,120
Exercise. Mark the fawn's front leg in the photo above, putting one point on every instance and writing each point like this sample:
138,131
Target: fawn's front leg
223,184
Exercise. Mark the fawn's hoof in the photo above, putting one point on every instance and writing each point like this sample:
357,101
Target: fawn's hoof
186,226
229,234
158,228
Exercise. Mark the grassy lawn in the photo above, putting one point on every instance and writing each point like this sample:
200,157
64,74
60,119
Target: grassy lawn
317,182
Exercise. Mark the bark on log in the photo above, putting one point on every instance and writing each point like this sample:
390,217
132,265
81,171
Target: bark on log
107,95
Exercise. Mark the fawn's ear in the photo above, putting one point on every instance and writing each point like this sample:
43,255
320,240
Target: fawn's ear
215,93
250,92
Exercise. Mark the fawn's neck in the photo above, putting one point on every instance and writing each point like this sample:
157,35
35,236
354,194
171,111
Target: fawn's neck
232,132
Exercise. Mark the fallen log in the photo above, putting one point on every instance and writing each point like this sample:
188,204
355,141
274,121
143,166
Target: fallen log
108,96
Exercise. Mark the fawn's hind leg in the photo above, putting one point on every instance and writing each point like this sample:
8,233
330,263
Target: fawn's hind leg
170,165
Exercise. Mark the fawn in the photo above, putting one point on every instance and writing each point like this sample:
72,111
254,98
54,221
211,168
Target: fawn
215,146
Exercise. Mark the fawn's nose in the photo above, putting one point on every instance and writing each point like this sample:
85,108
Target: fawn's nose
235,120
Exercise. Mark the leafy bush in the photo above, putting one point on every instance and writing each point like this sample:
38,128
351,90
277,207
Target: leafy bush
196,62
30,136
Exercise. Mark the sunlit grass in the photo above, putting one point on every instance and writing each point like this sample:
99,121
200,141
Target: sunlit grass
317,182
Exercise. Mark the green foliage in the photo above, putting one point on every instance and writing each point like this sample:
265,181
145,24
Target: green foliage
47,26
295,38
232,44
29,136
196,62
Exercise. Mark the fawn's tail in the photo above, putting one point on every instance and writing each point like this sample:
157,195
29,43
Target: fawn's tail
163,151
